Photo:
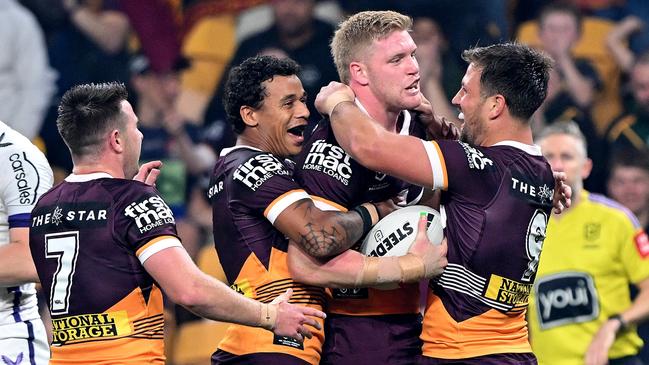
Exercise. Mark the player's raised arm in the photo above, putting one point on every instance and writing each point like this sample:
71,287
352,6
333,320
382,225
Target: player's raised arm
368,143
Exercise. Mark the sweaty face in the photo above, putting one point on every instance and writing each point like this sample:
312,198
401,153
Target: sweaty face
640,85
566,154
471,105
283,116
630,187
393,71
133,141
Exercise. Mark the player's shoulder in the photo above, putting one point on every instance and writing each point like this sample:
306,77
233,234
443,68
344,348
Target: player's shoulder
121,189
106,188
12,142
238,155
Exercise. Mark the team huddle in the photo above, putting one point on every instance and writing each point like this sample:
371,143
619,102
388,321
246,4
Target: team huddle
289,209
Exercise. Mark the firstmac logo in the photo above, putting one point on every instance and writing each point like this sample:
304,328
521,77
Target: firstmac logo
258,169
149,213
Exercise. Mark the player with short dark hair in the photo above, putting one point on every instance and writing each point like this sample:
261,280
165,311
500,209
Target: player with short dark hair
105,246
258,207
497,195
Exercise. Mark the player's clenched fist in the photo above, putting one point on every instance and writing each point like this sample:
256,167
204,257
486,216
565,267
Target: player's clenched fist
331,95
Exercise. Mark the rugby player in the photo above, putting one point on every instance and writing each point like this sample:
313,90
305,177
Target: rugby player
105,246
496,199
375,55
27,175
258,207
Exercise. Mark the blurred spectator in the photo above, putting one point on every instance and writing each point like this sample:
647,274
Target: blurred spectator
90,46
206,23
572,85
628,184
157,30
297,34
439,72
26,79
589,53
580,309
632,128
466,23
155,94
559,31
619,11
618,38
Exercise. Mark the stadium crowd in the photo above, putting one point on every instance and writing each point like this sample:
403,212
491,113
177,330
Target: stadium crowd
175,58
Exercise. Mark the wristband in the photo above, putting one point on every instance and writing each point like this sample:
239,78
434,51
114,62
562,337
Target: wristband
366,216
370,272
412,268
623,324
268,316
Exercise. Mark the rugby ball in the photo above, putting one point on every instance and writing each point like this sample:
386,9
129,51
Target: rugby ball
393,235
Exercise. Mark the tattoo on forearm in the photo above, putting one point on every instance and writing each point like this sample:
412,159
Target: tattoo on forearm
322,241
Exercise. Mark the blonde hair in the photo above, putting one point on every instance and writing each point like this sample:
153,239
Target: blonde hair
359,31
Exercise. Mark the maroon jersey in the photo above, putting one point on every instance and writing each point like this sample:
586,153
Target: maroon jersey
249,189
496,205
89,237
337,182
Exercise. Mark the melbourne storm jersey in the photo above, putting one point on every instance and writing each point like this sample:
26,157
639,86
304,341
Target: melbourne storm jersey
592,253
496,204
26,176
337,182
249,189
89,237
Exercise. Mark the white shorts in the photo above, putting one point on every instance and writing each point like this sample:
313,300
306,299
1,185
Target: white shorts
24,343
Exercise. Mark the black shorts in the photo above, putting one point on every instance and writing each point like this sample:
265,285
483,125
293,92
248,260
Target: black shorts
221,357
526,358
359,340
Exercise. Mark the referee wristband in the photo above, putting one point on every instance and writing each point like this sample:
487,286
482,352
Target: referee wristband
623,324
369,217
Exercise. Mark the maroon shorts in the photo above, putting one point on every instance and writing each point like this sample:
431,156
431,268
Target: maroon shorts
526,358
356,340
221,357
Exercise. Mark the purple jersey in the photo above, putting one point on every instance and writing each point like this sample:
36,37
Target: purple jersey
496,205
249,189
336,181
89,237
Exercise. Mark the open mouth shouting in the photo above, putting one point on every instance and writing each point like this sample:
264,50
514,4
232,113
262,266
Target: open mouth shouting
297,133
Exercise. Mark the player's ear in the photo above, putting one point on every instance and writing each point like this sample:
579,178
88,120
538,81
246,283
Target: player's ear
496,105
116,141
249,116
358,73
588,167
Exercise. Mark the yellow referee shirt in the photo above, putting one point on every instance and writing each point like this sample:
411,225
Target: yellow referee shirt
589,258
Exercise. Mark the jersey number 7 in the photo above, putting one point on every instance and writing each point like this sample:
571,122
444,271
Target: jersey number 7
64,247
